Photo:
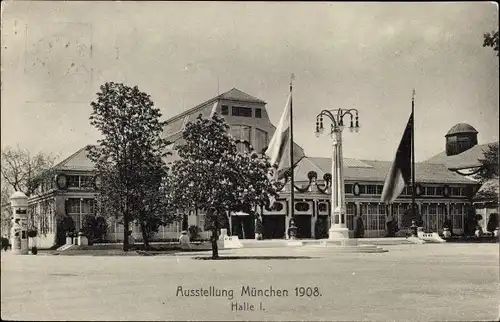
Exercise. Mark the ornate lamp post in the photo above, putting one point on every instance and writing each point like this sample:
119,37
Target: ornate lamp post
338,229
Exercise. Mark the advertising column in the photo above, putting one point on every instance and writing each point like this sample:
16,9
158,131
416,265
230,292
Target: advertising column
19,232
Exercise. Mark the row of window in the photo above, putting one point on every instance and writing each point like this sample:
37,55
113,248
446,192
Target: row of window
80,181
44,216
241,111
431,222
376,208
80,206
407,191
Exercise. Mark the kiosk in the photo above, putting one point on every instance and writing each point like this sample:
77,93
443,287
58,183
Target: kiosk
19,230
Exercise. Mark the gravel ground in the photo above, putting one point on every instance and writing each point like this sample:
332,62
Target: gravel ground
439,282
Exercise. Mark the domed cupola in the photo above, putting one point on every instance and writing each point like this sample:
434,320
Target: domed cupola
461,137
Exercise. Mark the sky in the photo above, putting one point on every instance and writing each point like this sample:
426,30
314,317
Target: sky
367,56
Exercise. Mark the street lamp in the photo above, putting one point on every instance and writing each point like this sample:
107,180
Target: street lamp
338,229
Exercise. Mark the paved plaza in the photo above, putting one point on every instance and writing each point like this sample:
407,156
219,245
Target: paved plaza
410,282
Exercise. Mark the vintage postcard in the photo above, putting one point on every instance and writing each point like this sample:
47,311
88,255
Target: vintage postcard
249,161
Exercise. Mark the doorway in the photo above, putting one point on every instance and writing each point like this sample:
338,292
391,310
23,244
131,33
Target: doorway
274,226
303,223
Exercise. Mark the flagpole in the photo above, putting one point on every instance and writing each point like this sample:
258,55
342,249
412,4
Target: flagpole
292,179
413,154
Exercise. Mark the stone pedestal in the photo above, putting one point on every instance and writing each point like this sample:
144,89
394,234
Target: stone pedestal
83,241
69,241
229,242
184,241
223,233
337,233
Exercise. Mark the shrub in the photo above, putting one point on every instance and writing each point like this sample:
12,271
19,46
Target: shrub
194,232
5,243
95,228
320,228
34,250
64,227
359,227
408,216
259,227
492,222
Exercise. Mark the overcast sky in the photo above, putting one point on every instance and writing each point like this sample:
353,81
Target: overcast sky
370,56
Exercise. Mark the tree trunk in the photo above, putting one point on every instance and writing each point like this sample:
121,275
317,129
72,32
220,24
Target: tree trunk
215,248
125,232
145,238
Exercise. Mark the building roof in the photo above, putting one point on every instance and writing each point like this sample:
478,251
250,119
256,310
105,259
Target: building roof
236,95
465,160
376,171
354,169
177,122
461,128
78,161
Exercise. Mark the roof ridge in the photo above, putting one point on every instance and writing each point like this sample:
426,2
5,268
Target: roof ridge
64,161
199,106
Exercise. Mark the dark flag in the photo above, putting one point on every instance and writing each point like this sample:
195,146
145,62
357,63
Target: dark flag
400,173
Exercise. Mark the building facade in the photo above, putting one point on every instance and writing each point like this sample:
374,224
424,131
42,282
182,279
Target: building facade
441,191
462,157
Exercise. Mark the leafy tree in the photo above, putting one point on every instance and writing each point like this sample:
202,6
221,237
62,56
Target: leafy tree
491,40
213,177
489,164
151,204
488,171
129,160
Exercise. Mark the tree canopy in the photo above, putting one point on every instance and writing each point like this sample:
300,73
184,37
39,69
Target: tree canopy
491,40
129,159
24,171
489,164
212,176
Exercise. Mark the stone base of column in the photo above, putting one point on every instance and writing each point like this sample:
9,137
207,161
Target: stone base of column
335,233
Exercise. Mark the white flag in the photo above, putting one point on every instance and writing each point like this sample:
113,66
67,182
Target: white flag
214,108
279,148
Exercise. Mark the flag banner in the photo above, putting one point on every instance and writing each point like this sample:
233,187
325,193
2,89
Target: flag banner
400,172
279,146
214,108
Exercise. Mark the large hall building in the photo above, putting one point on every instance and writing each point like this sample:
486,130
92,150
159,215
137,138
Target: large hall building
443,188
